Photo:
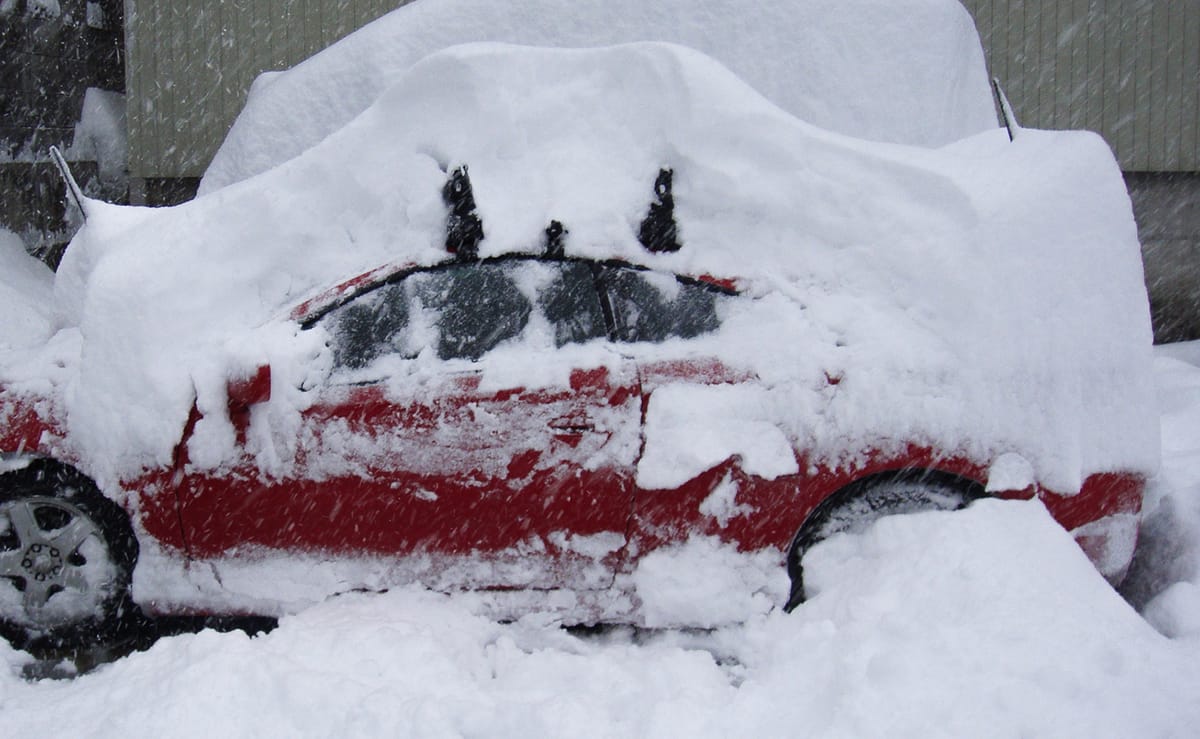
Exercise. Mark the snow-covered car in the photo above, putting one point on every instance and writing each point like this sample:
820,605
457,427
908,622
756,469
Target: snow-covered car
629,312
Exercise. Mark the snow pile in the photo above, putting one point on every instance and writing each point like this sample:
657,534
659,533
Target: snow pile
986,622
26,295
1166,573
910,72
982,298
100,134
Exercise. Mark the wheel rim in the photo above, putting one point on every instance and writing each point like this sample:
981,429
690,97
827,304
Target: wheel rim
53,557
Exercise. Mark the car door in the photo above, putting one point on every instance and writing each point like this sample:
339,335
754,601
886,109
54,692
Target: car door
474,427
662,320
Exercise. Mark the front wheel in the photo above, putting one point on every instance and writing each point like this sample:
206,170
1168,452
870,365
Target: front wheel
66,557
856,506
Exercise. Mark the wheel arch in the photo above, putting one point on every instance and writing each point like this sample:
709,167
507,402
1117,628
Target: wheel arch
807,534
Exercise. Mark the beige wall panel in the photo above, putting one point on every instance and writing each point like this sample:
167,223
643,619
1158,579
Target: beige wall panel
1128,69
190,64
1189,104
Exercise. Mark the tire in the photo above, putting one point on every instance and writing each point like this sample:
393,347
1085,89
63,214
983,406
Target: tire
861,503
66,558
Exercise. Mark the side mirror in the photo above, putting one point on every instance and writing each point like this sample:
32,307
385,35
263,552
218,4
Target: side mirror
244,392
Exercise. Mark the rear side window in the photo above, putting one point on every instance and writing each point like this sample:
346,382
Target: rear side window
473,308
653,307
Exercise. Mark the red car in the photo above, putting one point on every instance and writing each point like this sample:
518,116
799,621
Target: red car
417,465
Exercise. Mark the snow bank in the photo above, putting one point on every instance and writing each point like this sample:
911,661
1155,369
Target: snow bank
26,295
910,72
985,622
984,298
1165,577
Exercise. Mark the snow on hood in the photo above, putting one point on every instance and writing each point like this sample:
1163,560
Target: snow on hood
854,66
984,298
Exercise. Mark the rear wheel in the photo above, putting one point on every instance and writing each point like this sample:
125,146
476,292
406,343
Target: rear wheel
856,506
66,557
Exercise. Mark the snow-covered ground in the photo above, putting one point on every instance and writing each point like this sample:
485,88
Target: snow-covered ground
987,622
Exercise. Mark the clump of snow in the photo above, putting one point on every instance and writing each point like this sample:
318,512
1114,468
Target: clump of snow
983,621
692,428
722,504
982,298
26,295
100,134
910,72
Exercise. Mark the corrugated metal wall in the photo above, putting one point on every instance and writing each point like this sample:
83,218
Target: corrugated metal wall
189,65
1129,69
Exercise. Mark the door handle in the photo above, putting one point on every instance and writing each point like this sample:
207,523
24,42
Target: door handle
572,425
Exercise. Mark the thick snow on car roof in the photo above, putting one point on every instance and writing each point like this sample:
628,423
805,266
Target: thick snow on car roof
908,71
982,298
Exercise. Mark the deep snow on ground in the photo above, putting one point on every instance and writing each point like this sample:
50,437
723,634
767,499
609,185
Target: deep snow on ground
988,622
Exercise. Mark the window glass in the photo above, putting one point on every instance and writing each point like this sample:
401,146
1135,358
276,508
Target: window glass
571,304
477,306
368,327
461,311
652,307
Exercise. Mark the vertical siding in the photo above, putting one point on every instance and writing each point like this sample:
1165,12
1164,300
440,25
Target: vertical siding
1129,69
189,65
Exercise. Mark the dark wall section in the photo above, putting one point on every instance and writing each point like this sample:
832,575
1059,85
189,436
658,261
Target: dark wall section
1167,208
47,61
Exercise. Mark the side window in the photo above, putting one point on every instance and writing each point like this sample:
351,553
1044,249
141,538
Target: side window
648,306
474,306
462,311
369,327
571,304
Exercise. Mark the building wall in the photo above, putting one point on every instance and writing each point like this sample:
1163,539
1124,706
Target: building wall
1128,69
191,63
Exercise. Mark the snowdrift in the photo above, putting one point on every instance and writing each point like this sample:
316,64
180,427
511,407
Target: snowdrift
1013,634
909,72
982,298
26,295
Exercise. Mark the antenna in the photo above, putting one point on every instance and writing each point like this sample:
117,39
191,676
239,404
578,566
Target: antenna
73,191
1006,112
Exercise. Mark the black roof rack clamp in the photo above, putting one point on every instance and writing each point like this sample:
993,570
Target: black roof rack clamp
658,232
464,230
